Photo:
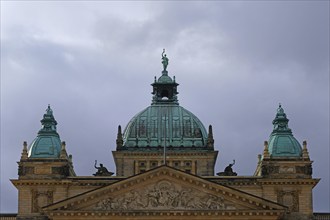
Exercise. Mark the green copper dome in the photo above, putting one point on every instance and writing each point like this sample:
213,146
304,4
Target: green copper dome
281,141
165,122
47,144
180,128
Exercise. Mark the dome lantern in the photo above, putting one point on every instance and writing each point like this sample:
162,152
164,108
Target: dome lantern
165,121
165,88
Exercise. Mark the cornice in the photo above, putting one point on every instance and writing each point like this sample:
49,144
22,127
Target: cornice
66,182
247,213
127,154
289,181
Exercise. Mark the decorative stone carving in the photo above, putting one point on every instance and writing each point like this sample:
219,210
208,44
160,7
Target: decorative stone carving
269,169
40,199
286,169
64,170
307,169
101,170
162,196
228,170
23,170
289,199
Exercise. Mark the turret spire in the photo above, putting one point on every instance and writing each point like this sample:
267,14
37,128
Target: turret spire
24,155
266,152
210,140
305,153
119,140
63,154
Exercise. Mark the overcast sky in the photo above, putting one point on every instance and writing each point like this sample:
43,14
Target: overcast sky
93,62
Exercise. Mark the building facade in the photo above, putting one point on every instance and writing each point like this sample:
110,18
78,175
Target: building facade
165,169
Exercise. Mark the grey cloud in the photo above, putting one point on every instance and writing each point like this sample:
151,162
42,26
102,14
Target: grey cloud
234,62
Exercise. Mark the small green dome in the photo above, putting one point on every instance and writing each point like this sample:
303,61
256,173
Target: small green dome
147,128
164,78
47,144
281,141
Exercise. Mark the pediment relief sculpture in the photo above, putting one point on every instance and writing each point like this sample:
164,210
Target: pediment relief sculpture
162,196
163,189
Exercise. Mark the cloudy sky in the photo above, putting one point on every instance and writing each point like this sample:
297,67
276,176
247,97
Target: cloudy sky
94,63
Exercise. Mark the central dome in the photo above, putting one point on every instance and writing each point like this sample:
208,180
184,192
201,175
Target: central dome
165,133
180,127
165,122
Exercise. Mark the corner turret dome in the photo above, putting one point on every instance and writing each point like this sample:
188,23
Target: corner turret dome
165,122
47,144
281,141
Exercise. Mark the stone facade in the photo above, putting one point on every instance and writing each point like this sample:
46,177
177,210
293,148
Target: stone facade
165,191
132,163
182,187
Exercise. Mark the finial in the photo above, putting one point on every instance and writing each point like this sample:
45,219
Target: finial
266,152
49,111
305,153
280,109
63,154
210,140
280,121
63,145
210,130
119,140
24,154
259,157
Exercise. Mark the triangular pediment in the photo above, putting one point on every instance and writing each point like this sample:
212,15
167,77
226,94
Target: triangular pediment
163,189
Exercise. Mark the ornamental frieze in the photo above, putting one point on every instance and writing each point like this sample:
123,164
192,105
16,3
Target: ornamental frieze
269,169
307,169
64,170
23,170
163,196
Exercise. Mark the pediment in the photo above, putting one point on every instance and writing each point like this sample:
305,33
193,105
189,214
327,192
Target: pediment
163,189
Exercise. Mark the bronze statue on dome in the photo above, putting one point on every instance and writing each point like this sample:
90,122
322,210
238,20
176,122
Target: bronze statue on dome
164,61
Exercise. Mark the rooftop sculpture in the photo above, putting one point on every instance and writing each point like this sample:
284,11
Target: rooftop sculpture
164,60
228,170
101,170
